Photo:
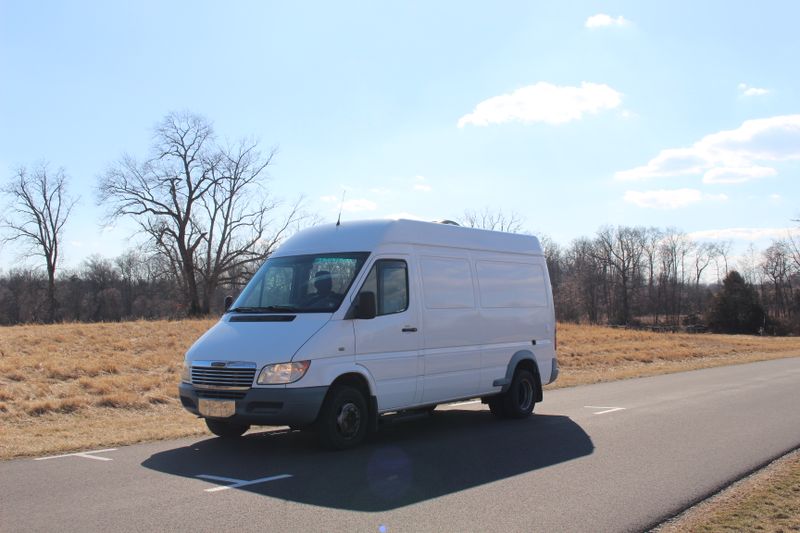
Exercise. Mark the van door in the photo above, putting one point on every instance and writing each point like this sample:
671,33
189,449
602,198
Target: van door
388,345
451,351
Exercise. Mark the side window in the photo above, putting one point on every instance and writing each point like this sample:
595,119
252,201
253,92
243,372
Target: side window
388,280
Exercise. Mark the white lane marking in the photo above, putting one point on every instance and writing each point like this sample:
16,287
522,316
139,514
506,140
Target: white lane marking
236,483
470,402
606,409
85,455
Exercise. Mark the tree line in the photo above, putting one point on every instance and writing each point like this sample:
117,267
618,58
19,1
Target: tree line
641,277
209,221
661,277
202,205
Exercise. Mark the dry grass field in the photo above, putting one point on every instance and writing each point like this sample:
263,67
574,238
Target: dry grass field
67,387
76,386
591,354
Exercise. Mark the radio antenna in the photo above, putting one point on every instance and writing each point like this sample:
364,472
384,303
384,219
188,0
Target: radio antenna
341,206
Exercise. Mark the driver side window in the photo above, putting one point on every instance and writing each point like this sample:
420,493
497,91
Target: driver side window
388,280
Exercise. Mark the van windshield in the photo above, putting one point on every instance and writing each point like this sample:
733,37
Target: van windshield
313,283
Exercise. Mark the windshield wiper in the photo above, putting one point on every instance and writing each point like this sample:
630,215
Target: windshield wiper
266,309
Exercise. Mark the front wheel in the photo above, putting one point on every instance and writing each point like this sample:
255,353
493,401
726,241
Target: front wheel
225,429
343,420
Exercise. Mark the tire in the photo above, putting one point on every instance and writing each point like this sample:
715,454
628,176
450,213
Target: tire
520,398
497,407
343,419
225,429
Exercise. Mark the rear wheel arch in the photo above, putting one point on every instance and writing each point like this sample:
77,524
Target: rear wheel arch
524,359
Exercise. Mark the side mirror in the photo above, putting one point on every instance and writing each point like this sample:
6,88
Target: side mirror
366,305
228,302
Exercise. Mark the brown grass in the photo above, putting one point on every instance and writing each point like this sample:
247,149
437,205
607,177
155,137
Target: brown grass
592,354
76,386
66,387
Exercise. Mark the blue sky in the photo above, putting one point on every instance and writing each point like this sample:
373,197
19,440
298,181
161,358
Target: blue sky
571,114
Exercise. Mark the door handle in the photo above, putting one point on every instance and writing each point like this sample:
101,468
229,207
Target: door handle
409,329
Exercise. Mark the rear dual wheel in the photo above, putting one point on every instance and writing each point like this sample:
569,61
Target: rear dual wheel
518,401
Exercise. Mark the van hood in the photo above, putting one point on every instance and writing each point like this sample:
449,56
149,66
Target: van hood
256,341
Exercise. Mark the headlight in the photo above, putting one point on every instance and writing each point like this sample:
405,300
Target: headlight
283,373
186,372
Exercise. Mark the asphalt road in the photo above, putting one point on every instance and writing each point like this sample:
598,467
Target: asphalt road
579,464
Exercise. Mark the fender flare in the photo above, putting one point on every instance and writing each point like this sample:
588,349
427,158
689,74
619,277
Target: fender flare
332,372
516,359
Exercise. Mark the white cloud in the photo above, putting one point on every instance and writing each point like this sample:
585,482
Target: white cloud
328,199
420,185
743,234
755,91
729,156
601,20
359,204
669,198
752,91
544,102
721,197
737,175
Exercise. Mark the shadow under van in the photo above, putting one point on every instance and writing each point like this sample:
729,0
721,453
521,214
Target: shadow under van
407,463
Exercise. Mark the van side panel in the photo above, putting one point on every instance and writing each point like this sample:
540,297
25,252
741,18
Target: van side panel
516,314
451,323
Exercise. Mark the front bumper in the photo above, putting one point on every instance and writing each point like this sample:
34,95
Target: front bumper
266,407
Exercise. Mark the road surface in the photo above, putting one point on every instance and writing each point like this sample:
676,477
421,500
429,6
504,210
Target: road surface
618,456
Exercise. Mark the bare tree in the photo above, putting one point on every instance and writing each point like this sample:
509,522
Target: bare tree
40,206
675,247
492,220
719,254
239,227
621,249
203,206
777,266
586,280
652,243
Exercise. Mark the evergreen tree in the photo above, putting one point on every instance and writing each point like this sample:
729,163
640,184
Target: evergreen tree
735,309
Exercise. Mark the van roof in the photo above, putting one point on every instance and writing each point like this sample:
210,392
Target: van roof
366,235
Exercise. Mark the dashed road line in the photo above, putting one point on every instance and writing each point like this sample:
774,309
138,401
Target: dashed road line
85,455
236,483
605,409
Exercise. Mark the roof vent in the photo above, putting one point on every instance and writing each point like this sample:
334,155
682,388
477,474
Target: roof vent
451,222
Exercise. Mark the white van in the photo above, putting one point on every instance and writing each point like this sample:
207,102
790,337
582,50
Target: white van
346,323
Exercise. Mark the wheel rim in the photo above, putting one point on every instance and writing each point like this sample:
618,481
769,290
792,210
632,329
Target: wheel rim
348,421
524,395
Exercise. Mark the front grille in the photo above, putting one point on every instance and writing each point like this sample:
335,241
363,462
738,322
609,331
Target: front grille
221,394
226,378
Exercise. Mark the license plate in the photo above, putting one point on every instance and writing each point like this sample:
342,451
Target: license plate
217,408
